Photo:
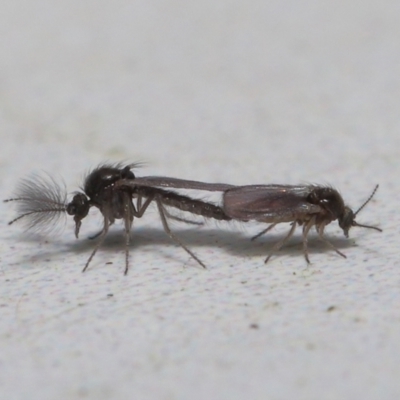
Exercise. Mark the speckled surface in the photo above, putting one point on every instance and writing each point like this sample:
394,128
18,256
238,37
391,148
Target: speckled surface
232,91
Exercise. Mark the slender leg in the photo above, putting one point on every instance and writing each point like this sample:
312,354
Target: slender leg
130,213
141,209
306,230
279,244
138,203
264,231
171,235
128,220
98,244
127,243
320,230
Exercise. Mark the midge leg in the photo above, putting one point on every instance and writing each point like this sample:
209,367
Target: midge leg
128,220
320,230
102,235
306,230
171,235
141,209
264,231
128,227
277,246
130,213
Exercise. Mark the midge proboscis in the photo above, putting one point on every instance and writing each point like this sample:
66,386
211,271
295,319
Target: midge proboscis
41,202
305,205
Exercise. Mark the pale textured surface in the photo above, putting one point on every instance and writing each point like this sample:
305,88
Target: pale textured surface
234,91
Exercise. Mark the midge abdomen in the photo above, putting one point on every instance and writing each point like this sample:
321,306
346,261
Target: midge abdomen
184,203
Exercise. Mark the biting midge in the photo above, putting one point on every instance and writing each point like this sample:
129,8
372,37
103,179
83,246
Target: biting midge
41,201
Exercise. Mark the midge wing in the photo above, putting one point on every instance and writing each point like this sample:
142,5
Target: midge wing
174,183
268,203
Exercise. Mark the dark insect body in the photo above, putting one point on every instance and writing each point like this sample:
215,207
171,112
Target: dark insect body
308,206
42,201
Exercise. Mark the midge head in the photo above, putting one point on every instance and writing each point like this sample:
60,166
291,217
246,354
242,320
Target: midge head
332,203
42,201
348,218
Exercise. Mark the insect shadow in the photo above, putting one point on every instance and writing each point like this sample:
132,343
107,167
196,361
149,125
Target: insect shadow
234,242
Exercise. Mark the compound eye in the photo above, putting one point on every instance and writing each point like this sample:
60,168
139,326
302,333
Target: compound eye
71,209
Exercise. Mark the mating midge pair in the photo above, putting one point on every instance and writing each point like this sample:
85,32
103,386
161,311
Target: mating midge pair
119,194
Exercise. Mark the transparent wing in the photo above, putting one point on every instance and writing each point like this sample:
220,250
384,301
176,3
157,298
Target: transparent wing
174,183
268,203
